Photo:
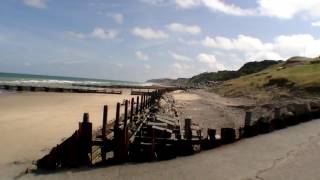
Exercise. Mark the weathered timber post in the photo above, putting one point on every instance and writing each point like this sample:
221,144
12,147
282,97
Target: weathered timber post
187,129
212,135
186,146
141,104
137,105
132,109
248,117
85,140
125,113
104,130
228,135
117,135
144,101
125,135
278,122
104,122
248,129
153,146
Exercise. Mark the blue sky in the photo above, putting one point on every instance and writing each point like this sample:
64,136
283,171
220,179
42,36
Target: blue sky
138,40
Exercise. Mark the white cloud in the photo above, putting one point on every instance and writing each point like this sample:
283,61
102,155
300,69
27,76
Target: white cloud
221,6
241,43
284,9
98,33
177,27
179,57
220,67
287,9
101,33
156,2
210,61
317,23
253,48
187,3
35,3
147,66
117,17
142,56
298,44
217,6
148,33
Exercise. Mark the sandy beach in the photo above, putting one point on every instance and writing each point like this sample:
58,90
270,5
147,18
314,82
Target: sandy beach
46,118
32,123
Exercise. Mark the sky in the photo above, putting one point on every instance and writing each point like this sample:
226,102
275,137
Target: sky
137,40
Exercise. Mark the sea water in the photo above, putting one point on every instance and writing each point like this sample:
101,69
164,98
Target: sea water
56,81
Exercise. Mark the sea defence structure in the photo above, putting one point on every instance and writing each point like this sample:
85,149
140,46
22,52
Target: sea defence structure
142,134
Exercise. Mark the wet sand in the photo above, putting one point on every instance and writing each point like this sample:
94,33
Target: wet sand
32,123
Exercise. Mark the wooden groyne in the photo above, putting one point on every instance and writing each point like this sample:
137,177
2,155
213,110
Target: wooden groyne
151,87
142,134
20,88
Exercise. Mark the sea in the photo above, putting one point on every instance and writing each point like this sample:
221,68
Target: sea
57,81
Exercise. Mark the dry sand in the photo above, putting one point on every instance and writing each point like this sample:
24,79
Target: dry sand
210,110
32,123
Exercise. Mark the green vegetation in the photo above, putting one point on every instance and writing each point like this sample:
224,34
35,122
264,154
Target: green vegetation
286,78
213,76
248,68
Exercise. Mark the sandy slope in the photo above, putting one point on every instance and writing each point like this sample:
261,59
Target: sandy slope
210,110
32,123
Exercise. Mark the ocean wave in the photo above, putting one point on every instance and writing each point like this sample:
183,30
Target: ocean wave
60,82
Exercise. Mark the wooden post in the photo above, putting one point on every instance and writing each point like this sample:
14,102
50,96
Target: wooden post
116,123
132,109
143,101
141,104
104,130
187,129
248,117
277,113
153,146
137,105
228,135
125,138
117,135
104,122
85,140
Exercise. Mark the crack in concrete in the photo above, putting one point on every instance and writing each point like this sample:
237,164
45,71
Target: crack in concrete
292,152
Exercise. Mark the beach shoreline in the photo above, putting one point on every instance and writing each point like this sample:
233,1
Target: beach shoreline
34,122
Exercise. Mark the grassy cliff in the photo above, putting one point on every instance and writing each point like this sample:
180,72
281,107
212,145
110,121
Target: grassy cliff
297,75
248,68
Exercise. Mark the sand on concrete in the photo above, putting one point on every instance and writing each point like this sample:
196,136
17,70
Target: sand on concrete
32,123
